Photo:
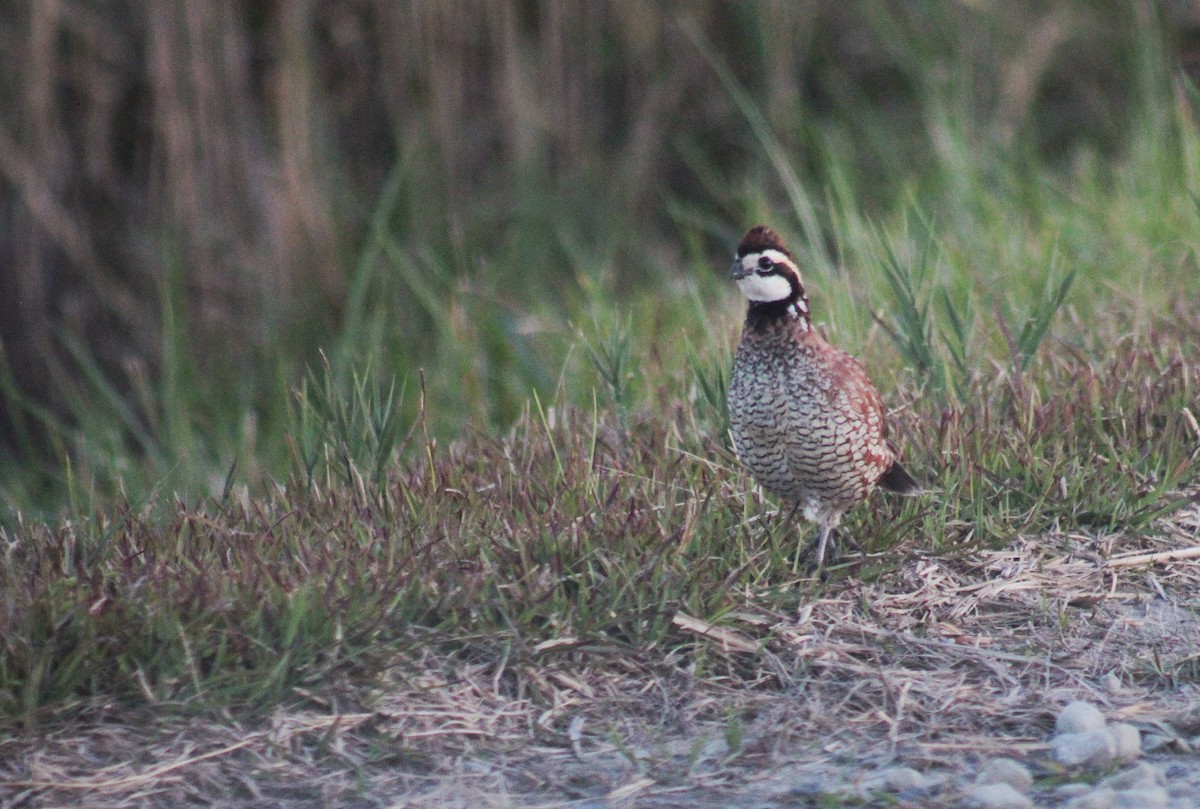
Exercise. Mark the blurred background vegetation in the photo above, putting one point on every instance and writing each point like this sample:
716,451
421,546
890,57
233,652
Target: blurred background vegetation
203,197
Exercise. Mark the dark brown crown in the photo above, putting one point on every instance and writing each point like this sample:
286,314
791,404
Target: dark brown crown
761,238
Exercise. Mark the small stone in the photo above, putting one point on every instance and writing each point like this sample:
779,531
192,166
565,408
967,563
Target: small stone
1144,798
938,779
1111,682
810,787
997,796
1096,799
1153,741
1091,749
1128,740
1073,790
1005,771
1176,772
1181,789
1079,717
1142,775
894,779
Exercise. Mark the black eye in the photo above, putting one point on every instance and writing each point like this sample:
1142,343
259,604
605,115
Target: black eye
765,263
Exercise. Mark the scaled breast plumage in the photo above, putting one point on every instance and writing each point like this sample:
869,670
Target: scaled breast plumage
805,419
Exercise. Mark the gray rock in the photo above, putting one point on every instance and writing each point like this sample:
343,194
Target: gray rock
894,779
1143,775
1005,771
1182,789
1095,799
997,796
1128,741
1094,748
1153,741
1143,798
1072,790
812,786
1079,717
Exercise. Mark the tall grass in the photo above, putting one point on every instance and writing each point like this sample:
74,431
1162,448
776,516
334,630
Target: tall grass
457,188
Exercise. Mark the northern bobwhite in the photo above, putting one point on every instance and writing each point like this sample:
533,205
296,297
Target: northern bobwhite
806,420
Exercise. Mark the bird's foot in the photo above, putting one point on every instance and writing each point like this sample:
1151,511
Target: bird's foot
826,553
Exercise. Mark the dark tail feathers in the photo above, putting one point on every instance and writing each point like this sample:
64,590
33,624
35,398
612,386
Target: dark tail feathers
896,479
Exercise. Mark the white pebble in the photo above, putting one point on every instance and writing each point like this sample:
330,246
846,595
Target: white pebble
1128,740
1079,717
997,796
1005,771
1091,749
1142,775
1072,790
1153,741
1096,799
1144,798
894,779
1181,790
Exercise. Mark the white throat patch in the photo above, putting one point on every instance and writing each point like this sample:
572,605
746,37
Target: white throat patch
765,288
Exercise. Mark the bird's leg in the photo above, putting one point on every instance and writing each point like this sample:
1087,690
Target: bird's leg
791,515
840,538
816,555
823,531
788,521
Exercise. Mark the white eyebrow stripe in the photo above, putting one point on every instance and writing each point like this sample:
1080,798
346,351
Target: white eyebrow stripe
750,260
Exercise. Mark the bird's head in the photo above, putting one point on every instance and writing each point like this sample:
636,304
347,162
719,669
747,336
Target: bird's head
766,271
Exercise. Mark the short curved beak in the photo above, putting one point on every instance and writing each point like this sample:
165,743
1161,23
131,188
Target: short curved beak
737,271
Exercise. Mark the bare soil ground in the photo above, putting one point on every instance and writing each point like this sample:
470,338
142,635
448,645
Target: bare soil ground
948,662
